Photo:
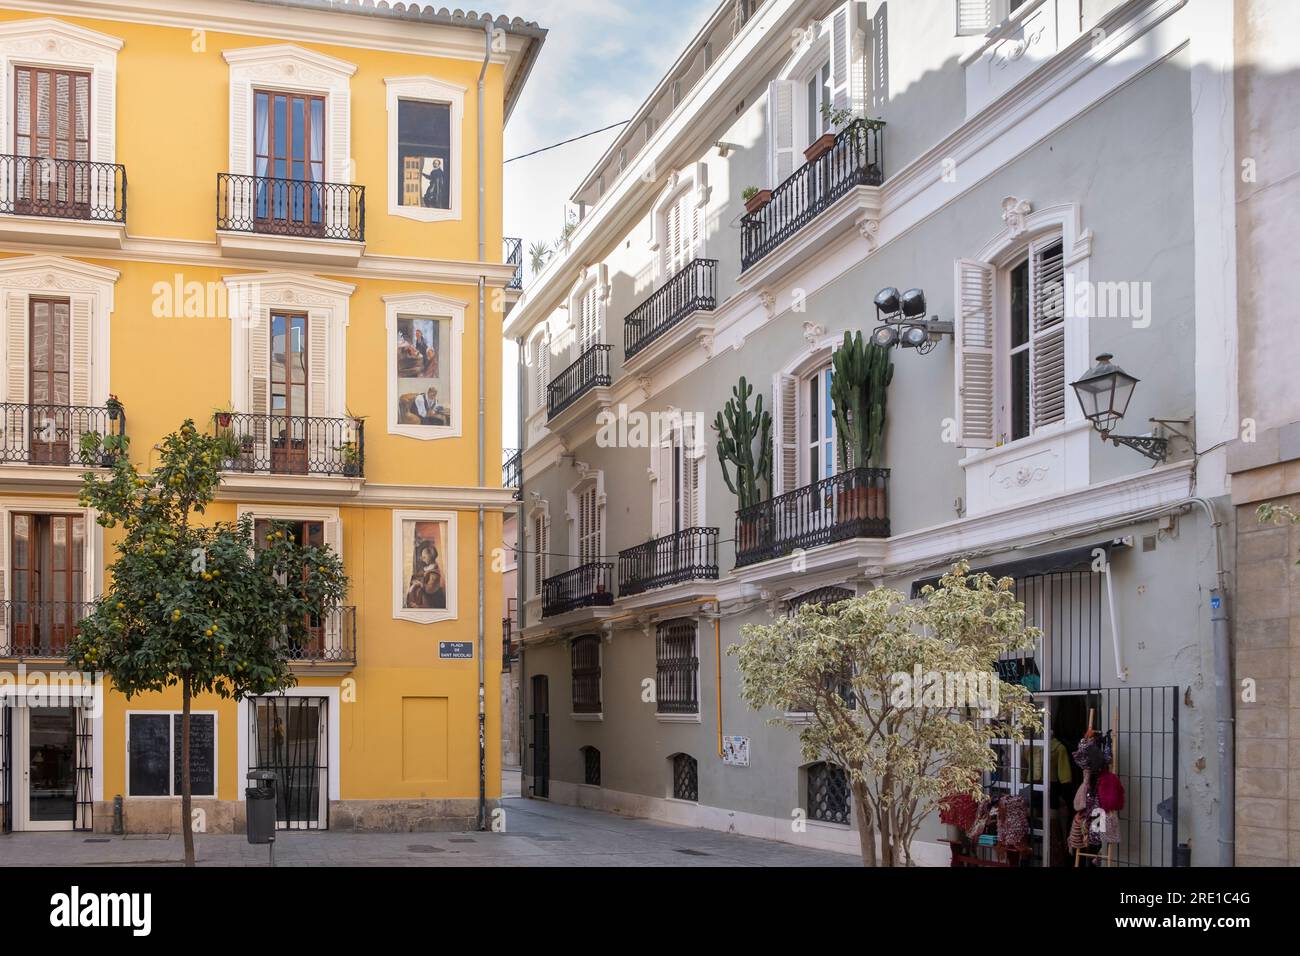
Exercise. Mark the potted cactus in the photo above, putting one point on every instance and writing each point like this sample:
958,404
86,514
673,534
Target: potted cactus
861,374
737,427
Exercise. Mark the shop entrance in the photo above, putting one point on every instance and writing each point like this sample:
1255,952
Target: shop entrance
290,736
44,768
541,744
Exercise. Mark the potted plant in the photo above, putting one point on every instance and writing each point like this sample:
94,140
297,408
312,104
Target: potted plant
755,198
737,427
223,416
113,407
862,373
351,456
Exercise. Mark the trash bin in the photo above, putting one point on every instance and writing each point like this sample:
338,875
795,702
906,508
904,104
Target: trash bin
260,804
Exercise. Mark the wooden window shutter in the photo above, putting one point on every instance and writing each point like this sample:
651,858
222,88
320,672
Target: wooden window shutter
16,352
79,352
541,540
975,17
780,129
785,472
318,385
541,371
974,340
846,70
692,478
661,465
1047,326
259,377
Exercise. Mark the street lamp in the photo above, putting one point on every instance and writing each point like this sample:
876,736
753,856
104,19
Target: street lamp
903,321
1104,392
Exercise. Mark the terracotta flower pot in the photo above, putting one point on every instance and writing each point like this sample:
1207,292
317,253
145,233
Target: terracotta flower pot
757,201
819,147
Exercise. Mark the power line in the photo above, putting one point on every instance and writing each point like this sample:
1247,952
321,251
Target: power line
565,142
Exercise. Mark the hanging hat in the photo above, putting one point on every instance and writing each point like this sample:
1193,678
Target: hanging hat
1110,792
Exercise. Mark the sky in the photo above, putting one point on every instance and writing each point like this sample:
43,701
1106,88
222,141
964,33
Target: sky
599,62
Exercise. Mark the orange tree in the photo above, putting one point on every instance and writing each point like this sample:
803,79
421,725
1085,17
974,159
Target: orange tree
194,604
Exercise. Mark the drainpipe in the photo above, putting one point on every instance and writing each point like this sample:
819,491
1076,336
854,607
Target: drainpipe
1225,700
519,566
482,433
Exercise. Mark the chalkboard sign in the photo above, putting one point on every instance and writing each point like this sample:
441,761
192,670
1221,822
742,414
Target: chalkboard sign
150,753
203,754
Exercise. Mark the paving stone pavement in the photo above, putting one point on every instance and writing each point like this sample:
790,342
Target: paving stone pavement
538,834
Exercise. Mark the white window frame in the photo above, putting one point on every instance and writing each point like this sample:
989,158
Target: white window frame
1002,349
92,560
807,441
172,756
426,305
333,722
540,558
593,481
979,17
592,280
289,68
47,42
329,517
450,560
694,181
430,90
83,285
539,347
251,299
798,370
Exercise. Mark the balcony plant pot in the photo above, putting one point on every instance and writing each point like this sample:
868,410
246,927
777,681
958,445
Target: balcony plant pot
854,503
876,503
223,419
113,407
757,201
819,147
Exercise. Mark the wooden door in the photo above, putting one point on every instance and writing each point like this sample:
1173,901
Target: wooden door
48,565
289,161
49,382
289,407
52,141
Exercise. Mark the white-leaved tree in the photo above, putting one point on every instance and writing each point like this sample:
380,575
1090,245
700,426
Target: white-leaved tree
903,694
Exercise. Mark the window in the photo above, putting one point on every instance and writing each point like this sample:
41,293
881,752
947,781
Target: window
424,153
47,555
677,667
154,744
681,231
818,426
588,524
541,371
840,679
424,123
288,149
541,542
424,566
309,534
1011,345
819,96
591,766
686,778
977,17
584,661
588,318
52,120
677,464
828,794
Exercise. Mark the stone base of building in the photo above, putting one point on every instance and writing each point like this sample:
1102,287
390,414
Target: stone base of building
158,815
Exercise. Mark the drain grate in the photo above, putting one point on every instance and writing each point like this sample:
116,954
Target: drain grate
425,848
693,852
97,840
461,840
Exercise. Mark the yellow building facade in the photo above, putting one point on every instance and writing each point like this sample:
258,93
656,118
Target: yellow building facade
265,216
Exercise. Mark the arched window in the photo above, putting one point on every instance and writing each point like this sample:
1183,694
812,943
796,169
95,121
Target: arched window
686,777
591,766
828,793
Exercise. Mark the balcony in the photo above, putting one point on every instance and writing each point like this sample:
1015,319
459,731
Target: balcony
64,435
511,469
514,256
855,159
590,371
296,220
690,291
62,200
689,555
292,445
330,645
854,504
40,629
586,586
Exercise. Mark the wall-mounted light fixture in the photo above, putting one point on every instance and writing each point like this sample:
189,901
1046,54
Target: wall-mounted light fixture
1104,392
903,321
724,148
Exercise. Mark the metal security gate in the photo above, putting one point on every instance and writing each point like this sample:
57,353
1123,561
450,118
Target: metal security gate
290,736
1143,722
541,744
83,786
6,769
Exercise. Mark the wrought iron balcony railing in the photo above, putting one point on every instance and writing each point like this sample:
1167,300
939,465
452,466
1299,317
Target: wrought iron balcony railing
291,207
514,256
59,434
511,468
330,639
62,188
591,370
587,586
854,504
292,444
43,629
691,290
688,555
856,159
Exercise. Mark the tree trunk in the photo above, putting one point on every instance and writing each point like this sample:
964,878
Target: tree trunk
186,811
866,828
